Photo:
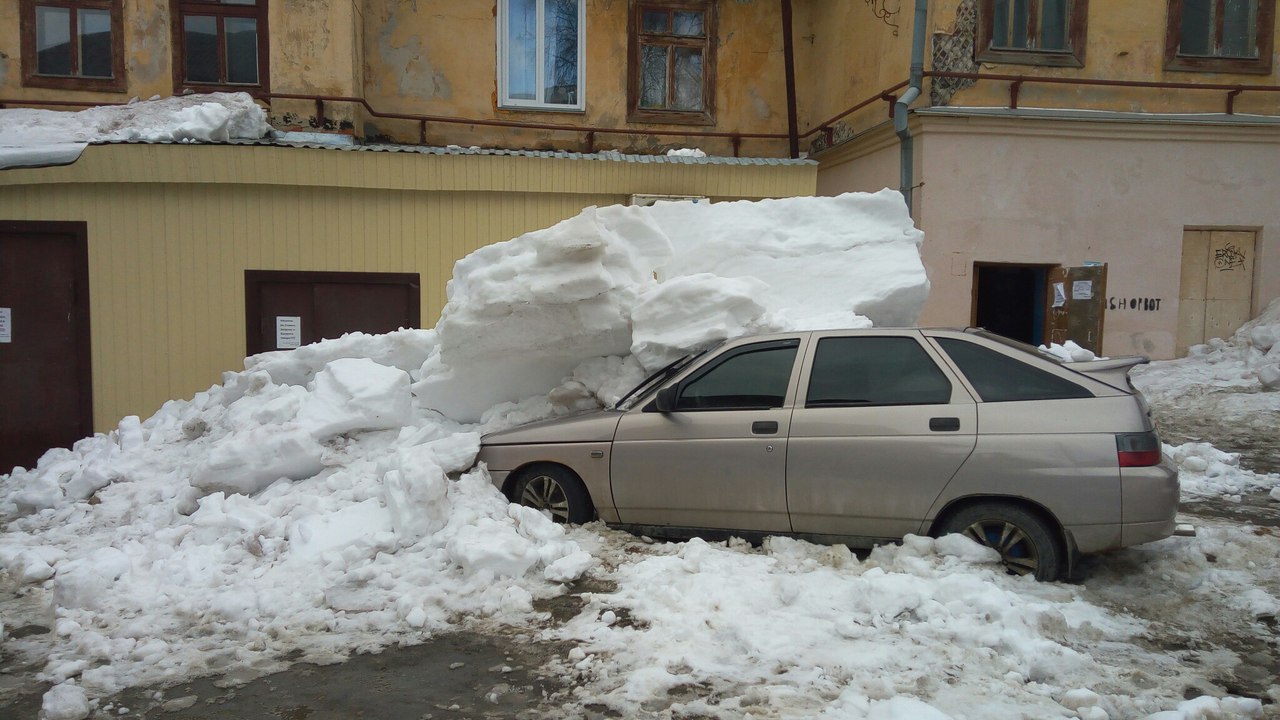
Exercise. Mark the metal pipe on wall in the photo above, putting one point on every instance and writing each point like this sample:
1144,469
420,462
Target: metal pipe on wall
902,107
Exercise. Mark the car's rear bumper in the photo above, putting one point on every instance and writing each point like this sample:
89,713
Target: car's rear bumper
1149,503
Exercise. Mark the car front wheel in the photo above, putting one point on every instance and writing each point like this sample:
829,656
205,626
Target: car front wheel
1027,545
556,490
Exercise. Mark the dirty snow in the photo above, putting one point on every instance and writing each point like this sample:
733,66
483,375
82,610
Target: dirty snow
321,502
35,138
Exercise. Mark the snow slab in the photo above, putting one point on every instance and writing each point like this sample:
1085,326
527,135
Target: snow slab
659,281
172,547
34,138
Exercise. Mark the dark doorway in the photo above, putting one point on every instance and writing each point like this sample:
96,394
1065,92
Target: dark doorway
1009,300
286,309
46,394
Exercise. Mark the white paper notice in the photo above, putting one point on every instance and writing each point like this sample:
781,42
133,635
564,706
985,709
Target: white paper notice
1059,295
1082,290
288,332
6,325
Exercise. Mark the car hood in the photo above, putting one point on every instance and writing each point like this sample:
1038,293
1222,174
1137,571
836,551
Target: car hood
593,426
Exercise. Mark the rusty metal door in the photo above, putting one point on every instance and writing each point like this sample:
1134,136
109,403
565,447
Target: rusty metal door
1075,305
285,309
46,397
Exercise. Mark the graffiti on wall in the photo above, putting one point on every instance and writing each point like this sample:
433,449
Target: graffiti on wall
882,12
1141,304
1228,257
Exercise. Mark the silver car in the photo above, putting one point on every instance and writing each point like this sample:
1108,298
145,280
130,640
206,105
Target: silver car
861,437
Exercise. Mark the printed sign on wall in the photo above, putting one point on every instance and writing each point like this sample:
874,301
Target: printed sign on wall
288,332
6,325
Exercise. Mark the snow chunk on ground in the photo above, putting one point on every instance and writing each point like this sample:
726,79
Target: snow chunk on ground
54,137
356,394
65,702
248,460
1205,471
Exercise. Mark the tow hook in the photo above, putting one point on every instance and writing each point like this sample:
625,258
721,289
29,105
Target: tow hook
1185,530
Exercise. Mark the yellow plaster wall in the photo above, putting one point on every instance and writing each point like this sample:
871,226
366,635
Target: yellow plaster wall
1125,42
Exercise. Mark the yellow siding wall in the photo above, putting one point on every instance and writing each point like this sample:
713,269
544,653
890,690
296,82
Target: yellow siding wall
167,250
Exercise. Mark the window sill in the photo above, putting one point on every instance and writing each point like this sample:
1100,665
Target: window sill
1245,66
577,110
190,88
57,82
670,117
1032,57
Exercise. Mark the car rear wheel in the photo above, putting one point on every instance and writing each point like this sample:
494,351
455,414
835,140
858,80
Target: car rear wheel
554,489
1027,545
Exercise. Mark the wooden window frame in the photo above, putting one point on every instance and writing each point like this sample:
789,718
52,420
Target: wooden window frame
30,71
635,24
1073,56
1261,65
178,9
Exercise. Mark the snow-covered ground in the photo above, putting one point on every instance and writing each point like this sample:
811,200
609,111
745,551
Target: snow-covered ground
322,502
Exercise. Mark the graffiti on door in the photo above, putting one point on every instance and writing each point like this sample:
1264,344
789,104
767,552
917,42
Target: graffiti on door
1228,257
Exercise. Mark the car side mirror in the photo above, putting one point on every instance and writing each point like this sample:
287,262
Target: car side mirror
665,401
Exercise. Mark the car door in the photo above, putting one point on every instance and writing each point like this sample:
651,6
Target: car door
879,430
718,460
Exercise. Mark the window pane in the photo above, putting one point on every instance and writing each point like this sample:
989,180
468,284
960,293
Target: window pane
95,43
1053,25
53,41
1238,30
200,41
655,21
653,76
875,371
239,2
1000,23
561,72
242,50
522,50
751,380
1000,378
1197,30
1018,25
688,79
689,24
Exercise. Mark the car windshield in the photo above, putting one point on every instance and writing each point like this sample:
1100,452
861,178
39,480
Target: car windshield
646,386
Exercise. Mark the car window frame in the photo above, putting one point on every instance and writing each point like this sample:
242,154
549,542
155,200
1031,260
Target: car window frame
961,392
1014,351
697,370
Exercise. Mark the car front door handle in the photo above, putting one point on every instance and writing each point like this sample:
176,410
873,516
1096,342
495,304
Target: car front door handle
764,427
944,424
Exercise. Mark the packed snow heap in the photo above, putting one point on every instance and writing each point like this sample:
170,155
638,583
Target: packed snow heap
34,138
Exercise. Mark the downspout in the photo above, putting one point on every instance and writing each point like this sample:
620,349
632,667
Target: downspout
789,58
902,107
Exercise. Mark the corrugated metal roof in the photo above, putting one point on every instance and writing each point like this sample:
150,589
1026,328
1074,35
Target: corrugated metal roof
604,155
1104,115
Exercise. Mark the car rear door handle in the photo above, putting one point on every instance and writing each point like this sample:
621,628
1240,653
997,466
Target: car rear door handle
944,424
764,427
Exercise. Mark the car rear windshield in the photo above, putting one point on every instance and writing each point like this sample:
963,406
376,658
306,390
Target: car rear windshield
1000,378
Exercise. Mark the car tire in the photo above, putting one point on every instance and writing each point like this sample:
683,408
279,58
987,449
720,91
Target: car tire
1026,543
554,489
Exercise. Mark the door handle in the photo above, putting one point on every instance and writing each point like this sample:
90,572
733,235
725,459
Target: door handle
944,424
764,427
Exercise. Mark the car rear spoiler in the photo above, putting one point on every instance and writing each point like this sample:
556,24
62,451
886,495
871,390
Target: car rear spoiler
1112,371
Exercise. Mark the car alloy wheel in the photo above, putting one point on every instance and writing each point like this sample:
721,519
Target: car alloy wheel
543,492
1017,552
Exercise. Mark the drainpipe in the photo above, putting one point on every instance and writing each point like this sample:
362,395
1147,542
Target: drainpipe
789,58
902,107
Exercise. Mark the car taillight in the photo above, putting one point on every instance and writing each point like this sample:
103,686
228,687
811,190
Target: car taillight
1138,449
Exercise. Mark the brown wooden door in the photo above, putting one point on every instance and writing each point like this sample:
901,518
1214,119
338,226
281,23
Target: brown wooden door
1075,305
285,309
45,387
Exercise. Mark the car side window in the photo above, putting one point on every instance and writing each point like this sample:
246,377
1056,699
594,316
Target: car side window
854,371
1000,378
754,379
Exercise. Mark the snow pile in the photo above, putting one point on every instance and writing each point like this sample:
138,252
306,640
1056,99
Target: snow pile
1069,352
659,281
53,137
1205,471
686,152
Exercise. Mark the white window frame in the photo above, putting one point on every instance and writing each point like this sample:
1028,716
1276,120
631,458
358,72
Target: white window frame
504,98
